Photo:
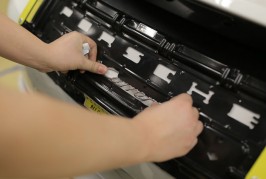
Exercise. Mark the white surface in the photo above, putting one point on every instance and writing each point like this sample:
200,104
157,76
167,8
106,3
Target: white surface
254,10
142,171
111,73
67,11
205,95
84,25
15,8
244,116
163,72
107,38
133,55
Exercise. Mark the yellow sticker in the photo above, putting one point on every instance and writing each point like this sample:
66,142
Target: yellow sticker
90,104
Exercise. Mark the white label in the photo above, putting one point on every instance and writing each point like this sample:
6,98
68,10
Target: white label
133,55
206,96
84,25
244,116
67,11
107,38
163,72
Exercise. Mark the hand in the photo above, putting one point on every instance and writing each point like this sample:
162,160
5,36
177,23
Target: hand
66,54
169,129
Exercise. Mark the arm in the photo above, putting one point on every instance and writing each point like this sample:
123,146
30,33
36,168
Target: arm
42,137
21,46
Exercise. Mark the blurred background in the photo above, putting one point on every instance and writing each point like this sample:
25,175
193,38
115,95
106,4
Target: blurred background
23,78
11,74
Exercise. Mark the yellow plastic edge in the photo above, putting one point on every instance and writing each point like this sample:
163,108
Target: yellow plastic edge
92,105
30,11
34,10
258,170
23,16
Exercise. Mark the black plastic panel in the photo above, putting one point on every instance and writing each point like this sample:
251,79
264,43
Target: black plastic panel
153,65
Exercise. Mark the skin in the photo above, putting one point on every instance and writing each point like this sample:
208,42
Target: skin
42,137
21,46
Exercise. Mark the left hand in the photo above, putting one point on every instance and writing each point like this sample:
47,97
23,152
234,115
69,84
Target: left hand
65,54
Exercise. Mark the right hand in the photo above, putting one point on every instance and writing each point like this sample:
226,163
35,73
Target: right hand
169,129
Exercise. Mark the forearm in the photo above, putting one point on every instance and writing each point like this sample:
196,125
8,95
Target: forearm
43,137
19,45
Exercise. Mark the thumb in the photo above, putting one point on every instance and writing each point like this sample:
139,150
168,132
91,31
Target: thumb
93,66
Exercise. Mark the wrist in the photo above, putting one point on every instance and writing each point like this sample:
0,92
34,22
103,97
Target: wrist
45,56
143,141
38,57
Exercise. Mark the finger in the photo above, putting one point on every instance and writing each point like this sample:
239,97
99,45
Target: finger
154,104
93,53
194,143
195,112
64,72
94,67
185,97
199,128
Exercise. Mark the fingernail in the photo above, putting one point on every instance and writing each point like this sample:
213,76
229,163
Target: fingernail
102,69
